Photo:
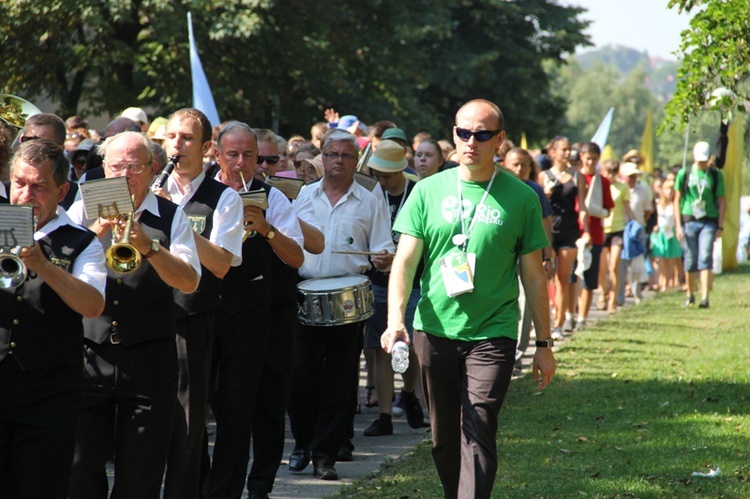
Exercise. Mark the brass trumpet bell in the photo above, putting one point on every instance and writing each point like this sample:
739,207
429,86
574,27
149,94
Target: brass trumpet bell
122,257
14,111
12,271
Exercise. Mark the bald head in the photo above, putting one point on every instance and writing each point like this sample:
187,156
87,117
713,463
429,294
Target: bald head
484,107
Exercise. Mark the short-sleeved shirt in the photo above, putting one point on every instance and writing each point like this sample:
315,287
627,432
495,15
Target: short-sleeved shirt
543,199
617,218
508,225
700,180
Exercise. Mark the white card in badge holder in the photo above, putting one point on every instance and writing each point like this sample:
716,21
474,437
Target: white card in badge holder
699,209
458,273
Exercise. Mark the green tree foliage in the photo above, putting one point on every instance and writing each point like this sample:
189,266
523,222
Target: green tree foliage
715,53
287,60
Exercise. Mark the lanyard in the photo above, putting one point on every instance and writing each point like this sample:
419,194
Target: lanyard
700,184
463,238
401,204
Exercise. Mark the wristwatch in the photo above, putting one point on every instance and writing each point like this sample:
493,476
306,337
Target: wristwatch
155,247
271,233
548,343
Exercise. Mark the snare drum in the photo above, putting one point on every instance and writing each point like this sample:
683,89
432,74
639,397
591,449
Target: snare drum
333,301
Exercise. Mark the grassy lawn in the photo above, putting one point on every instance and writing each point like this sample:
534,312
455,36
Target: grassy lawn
639,402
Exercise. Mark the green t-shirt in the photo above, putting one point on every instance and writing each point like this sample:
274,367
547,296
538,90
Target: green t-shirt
509,225
699,180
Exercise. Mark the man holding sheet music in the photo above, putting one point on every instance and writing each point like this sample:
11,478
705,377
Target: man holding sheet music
215,213
130,359
323,400
40,325
252,363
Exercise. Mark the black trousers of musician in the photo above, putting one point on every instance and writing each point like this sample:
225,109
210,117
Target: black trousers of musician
323,374
194,340
128,405
38,417
269,422
240,345
465,383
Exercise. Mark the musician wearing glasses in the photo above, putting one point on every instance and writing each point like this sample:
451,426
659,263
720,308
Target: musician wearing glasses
215,213
326,359
41,330
130,359
254,332
268,154
471,225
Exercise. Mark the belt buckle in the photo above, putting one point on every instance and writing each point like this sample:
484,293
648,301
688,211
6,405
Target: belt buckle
114,338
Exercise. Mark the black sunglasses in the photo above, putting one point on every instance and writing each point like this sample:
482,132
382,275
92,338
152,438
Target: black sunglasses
271,160
481,135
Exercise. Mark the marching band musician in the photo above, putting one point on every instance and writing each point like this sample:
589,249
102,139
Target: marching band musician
250,363
215,212
130,359
41,330
355,220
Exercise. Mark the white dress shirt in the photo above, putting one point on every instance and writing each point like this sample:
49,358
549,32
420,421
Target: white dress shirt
4,192
227,228
358,222
89,266
182,243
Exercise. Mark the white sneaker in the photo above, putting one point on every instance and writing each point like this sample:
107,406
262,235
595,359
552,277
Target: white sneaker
557,334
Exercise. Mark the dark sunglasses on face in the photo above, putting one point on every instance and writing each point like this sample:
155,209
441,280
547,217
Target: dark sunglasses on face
271,160
480,136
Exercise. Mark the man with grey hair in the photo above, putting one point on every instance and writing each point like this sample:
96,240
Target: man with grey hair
130,359
326,358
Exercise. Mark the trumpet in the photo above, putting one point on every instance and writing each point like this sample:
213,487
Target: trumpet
121,256
246,233
13,271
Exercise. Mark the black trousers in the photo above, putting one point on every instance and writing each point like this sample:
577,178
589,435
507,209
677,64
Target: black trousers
269,422
38,418
465,383
239,351
194,339
324,371
128,405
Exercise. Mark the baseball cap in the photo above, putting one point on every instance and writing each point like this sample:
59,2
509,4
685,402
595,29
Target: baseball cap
701,151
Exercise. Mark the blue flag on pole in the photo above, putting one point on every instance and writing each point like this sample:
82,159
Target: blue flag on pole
602,133
203,99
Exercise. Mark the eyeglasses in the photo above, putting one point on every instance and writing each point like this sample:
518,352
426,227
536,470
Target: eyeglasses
344,156
28,138
480,135
73,135
271,160
134,169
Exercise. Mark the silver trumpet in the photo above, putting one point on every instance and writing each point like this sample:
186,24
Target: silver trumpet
13,271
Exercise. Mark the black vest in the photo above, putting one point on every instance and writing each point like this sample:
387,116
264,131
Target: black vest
200,210
140,305
250,284
36,326
284,285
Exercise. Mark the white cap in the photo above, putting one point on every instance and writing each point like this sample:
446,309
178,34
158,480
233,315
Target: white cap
136,114
701,151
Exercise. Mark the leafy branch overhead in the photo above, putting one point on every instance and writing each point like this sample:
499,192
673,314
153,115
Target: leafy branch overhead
414,62
715,55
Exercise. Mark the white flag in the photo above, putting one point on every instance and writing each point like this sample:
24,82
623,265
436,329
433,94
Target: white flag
203,99
602,133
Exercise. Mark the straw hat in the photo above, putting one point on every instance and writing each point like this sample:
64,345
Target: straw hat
388,157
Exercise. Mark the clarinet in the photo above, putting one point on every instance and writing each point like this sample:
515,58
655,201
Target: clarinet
166,172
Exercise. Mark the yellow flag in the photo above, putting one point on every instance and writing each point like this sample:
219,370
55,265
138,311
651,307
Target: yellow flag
732,172
523,144
647,144
608,153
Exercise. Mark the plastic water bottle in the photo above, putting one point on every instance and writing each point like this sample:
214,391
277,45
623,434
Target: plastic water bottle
400,357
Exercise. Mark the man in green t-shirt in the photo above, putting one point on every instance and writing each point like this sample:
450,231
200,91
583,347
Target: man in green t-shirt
699,219
471,225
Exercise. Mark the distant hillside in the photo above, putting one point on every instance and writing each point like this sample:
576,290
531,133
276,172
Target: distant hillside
661,77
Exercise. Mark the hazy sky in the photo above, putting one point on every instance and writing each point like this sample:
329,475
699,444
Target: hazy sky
640,24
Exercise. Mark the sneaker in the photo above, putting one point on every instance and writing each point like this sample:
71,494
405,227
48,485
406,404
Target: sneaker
414,413
557,333
379,427
703,303
569,325
689,302
580,324
397,409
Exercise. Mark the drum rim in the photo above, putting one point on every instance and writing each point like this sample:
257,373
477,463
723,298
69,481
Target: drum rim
364,281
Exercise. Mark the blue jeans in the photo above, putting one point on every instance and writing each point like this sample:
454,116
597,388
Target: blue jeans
699,244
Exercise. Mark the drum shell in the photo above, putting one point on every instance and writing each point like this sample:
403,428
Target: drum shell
335,306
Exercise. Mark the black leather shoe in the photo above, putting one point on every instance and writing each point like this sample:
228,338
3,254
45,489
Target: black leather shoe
414,412
345,454
257,494
379,427
325,471
299,460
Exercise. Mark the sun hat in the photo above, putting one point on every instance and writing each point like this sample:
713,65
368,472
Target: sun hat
628,169
394,133
701,151
136,114
388,157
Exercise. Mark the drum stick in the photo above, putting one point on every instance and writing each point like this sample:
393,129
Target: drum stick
367,253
